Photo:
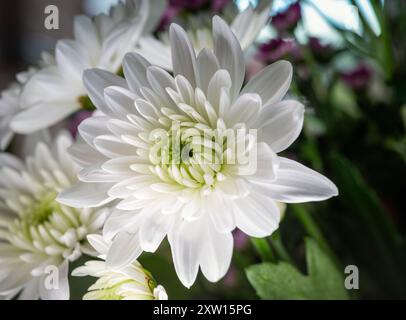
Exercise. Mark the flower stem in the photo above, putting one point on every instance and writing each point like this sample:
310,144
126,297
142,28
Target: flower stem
312,229
263,248
279,248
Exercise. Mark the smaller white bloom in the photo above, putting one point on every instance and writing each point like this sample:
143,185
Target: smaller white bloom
56,91
130,282
9,107
39,236
10,104
246,26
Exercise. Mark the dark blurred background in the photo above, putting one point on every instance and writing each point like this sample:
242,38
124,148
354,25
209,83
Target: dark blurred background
23,35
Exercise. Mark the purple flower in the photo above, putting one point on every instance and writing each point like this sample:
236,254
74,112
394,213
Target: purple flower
240,239
230,279
288,19
277,49
76,119
358,78
322,52
218,5
167,17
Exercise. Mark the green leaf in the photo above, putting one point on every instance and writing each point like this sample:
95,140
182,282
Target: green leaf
284,281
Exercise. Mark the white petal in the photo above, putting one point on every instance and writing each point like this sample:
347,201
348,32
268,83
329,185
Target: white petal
157,52
84,155
244,108
219,211
120,221
86,33
124,250
229,54
207,65
281,124
215,258
113,147
92,127
42,116
186,244
256,215
296,183
95,81
84,194
220,80
271,83
266,165
72,59
159,80
183,54
135,71
153,229
120,101
248,24
98,243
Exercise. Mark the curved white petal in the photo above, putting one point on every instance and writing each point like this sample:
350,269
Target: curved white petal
183,54
256,215
206,66
93,127
296,183
156,52
124,249
186,244
229,54
280,124
153,229
42,116
83,194
135,70
95,81
271,83
215,257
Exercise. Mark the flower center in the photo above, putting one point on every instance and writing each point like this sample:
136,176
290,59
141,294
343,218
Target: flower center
188,155
40,212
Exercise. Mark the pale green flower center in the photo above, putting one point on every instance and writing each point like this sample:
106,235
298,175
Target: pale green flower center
188,156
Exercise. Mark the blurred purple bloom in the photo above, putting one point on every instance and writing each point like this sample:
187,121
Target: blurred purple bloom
288,19
230,279
322,52
167,17
240,239
277,49
218,5
359,77
76,120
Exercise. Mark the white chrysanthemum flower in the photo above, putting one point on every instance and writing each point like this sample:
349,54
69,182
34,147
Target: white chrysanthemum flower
191,191
246,27
57,91
36,232
9,107
10,101
130,282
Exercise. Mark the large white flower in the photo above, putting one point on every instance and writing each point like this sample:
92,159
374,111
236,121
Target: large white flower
36,232
246,26
57,91
130,282
191,191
